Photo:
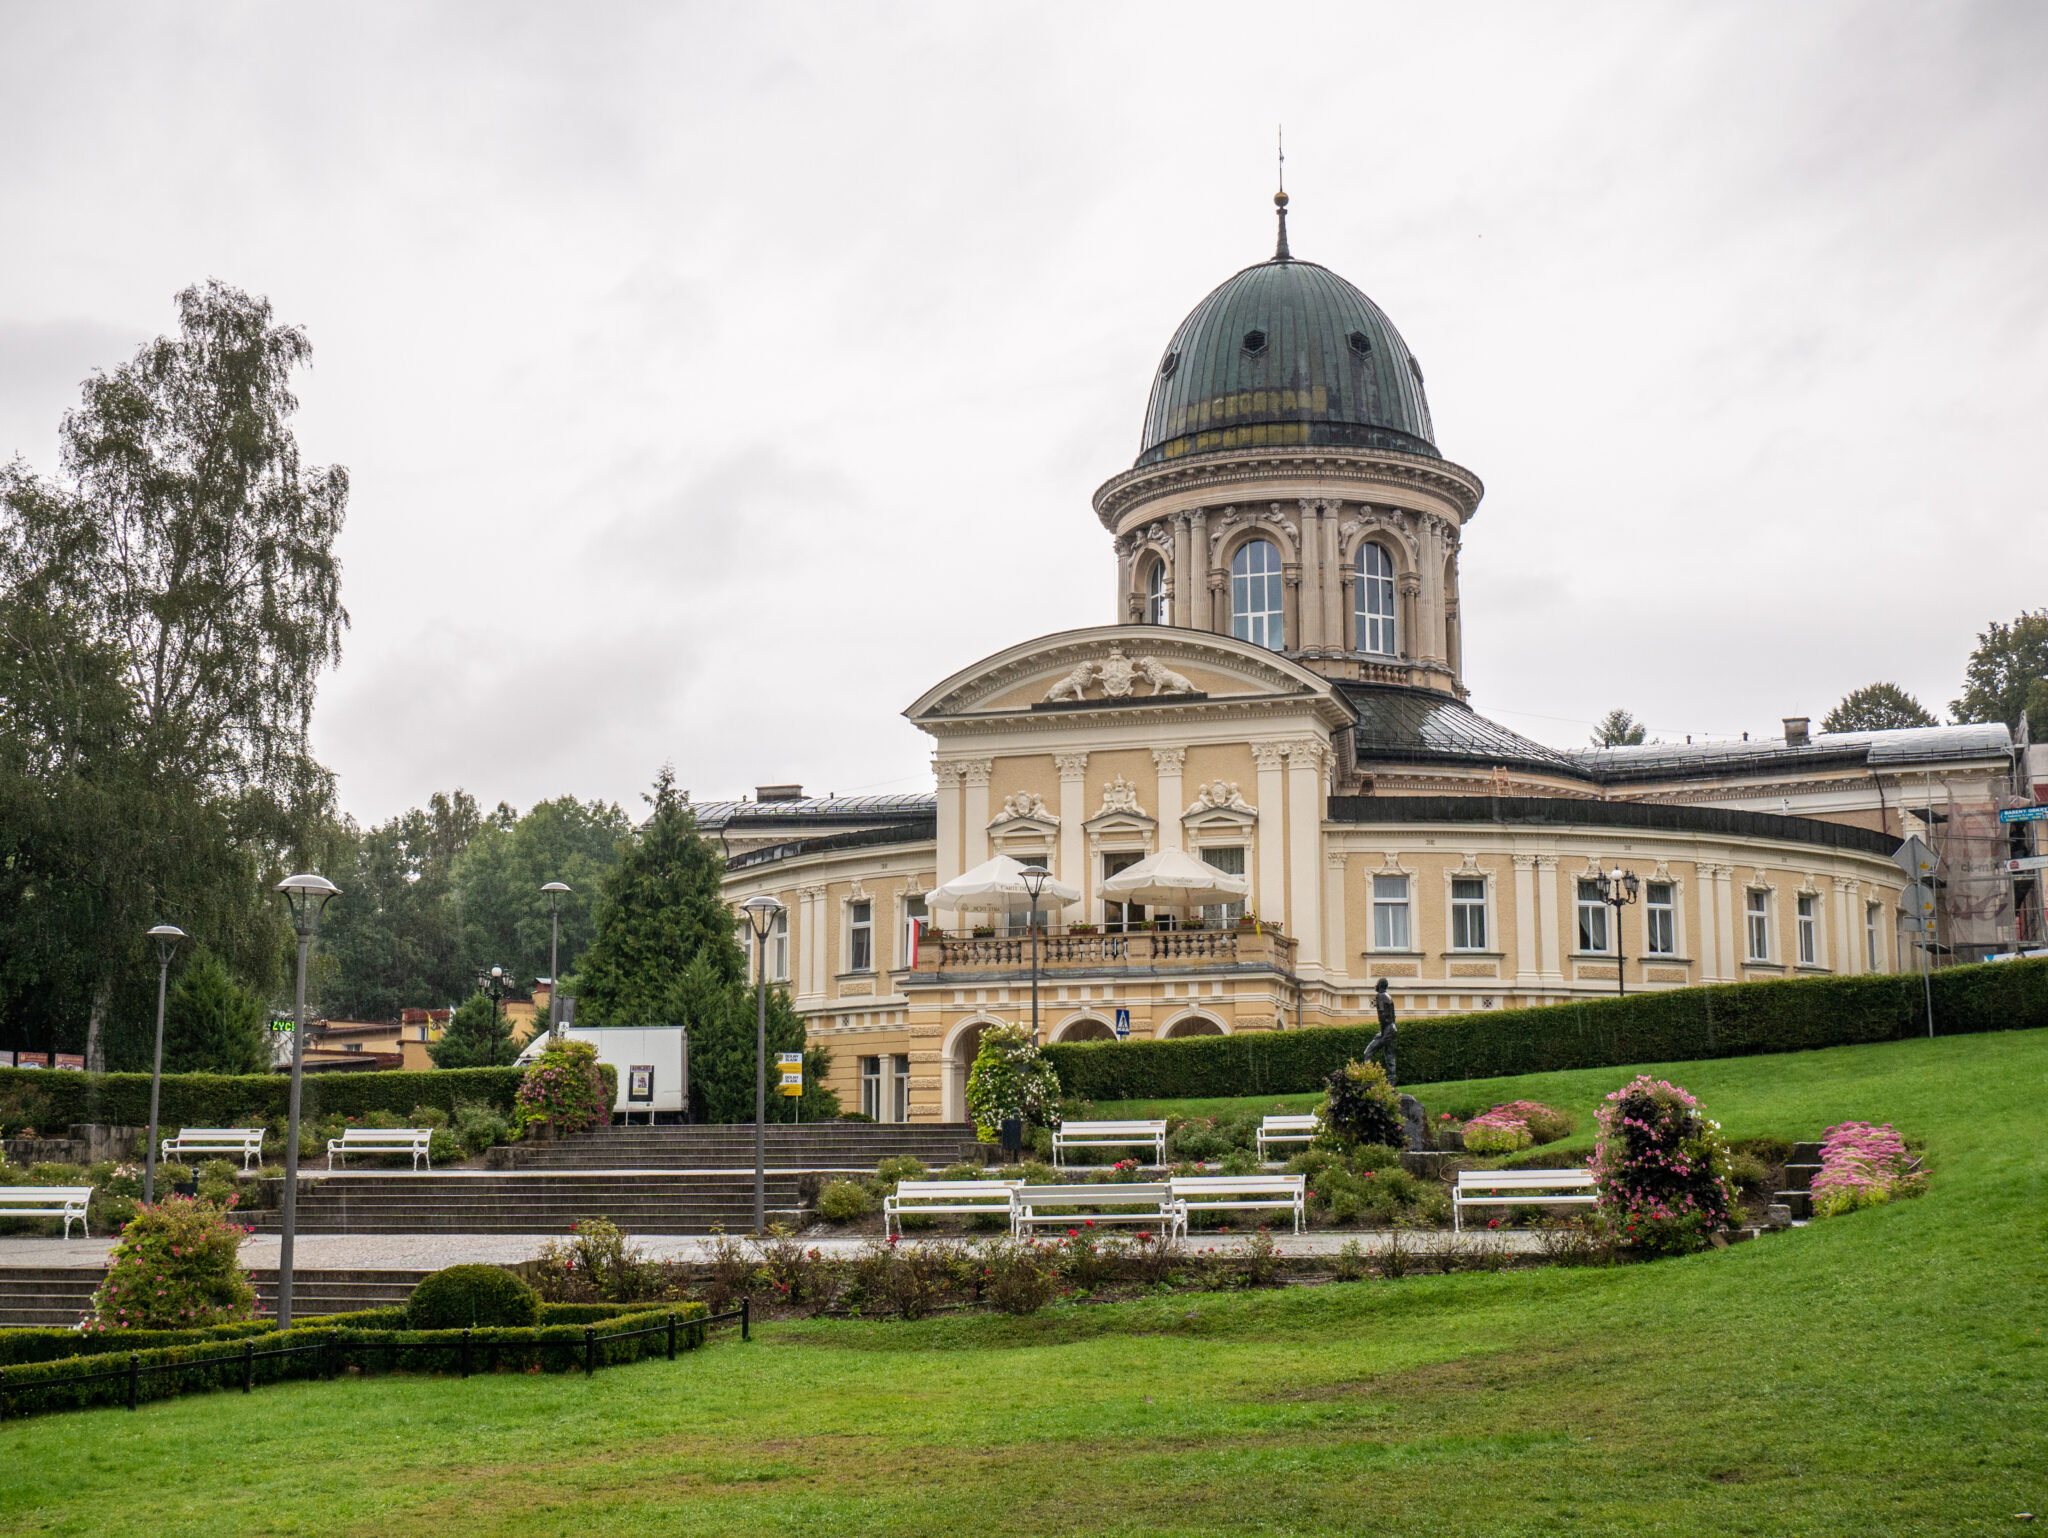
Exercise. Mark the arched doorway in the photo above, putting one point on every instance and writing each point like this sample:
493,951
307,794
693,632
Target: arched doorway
959,1058
1085,1028
1192,1025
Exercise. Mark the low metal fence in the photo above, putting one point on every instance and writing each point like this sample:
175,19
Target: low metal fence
691,1331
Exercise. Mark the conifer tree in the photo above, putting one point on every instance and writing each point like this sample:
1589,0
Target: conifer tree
478,1036
212,1024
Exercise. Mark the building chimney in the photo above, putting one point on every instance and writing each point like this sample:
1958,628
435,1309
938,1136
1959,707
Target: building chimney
1795,731
778,792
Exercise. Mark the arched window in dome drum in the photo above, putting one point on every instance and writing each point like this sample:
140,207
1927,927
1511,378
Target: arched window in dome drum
1158,602
1256,599
1374,603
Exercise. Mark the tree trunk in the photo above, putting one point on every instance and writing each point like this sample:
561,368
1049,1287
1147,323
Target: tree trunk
96,1027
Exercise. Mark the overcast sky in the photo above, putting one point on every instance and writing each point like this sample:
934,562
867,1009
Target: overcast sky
713,380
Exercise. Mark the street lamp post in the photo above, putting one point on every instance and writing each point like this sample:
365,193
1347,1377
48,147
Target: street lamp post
1618,889
1034,878
167,937
761,911
492,984
307,895
555,889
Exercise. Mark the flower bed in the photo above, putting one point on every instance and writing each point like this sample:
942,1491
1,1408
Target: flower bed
1662,1169
1862,1165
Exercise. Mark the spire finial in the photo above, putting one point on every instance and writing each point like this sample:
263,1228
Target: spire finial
1280,251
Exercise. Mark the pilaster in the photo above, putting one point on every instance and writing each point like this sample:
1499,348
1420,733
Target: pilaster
1169,761
1073,769
1547,922
1269,897
1528,969
1304,841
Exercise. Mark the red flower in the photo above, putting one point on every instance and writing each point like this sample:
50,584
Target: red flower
1493,1222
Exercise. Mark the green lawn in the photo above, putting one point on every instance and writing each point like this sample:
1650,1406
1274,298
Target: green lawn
1880,1373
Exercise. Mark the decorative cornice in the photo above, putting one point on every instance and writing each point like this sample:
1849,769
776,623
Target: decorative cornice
1196,479
1071,766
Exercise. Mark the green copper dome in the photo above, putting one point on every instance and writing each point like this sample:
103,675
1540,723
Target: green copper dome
1286,353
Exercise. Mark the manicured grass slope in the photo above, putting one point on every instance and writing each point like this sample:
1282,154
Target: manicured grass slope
1882,1373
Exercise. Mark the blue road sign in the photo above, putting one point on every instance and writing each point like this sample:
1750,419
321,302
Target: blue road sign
2024,814
1123,1025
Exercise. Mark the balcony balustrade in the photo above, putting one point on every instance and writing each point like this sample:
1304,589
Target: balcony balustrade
1069,953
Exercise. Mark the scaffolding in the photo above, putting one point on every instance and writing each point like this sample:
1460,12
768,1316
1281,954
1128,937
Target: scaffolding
1975,892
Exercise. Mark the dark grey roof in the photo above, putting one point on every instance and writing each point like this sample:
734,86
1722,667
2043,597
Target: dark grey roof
1330,369
1644,816
908,832
1409,726
715,815
1773,755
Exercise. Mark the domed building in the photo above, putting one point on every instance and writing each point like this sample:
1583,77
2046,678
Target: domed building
1280,696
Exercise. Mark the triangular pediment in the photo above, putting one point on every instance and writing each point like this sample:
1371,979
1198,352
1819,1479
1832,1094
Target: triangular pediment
1143,668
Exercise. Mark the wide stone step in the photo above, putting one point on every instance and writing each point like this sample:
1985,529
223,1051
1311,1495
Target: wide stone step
52,1298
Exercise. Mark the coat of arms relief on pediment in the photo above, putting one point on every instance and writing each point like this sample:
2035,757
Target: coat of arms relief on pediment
1119,677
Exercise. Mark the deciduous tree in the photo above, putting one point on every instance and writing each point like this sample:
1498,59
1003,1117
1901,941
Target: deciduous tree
2007,676
1877,707
1619,729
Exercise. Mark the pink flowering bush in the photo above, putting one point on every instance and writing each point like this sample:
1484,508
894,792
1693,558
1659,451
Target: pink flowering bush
563,1089
1662,1169
178,1266
1863,1166
1498,1131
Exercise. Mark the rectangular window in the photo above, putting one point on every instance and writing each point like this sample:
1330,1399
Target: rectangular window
1660,920
1592,918
871,1087
778,947
860,930
1809,930
1870,935
1390,913
1468,913
1758,911
914,914
1116,916
1230,862
899,1088
1020,923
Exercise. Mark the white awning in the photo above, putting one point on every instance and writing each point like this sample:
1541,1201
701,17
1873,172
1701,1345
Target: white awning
1175,879
997,886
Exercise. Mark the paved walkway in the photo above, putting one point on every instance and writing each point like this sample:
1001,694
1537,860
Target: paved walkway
430,1252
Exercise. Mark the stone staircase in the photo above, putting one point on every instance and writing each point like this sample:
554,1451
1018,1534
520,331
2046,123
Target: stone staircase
538,1202
55,1296
827,1146
1800,1168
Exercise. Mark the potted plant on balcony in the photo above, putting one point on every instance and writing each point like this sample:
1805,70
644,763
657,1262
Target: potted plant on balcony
1247,923
1080,929
984,932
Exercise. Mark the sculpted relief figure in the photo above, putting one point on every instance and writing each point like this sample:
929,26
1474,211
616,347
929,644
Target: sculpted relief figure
1163,679
1074,686
1120,795
1024,804
1118,675
1220,795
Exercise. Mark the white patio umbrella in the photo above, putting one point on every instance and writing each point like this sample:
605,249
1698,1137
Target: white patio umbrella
1173,878
997,886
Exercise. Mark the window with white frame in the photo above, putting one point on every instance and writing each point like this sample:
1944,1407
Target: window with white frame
860,937
1373,599
1660,920
1390,928
914,914
1117,916
1231,862
1757,912
899,1088
1592,918
1158,602
871,1088
1870,943
1468,913
1809,929
1257,610
1020,923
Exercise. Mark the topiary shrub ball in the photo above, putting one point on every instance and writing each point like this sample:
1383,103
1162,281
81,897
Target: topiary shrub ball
465,1297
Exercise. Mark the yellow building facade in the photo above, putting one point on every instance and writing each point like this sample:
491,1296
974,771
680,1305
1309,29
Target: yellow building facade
1280,693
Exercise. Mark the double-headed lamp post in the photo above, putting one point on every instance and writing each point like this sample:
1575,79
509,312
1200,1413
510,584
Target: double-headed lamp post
1034,878
307,895
167,937
555,889
492,985
1618,889
761,911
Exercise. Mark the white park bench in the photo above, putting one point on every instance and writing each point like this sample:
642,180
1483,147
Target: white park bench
1068,1205
412,1140
947,1196
1287,1129
1110,1134
246,1141
1521,1188
66,1202
1229,1193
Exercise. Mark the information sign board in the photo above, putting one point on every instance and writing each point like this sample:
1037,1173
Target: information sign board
2024,814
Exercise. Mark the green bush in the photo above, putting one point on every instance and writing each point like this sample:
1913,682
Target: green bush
177,1266
900,1167
842,1201
1360,1107
227,1100
1682,1024
563,1089
462,1297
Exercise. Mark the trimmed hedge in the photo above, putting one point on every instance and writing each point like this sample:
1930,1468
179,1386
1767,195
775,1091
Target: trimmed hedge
218,1365
1724,1020
226,1100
